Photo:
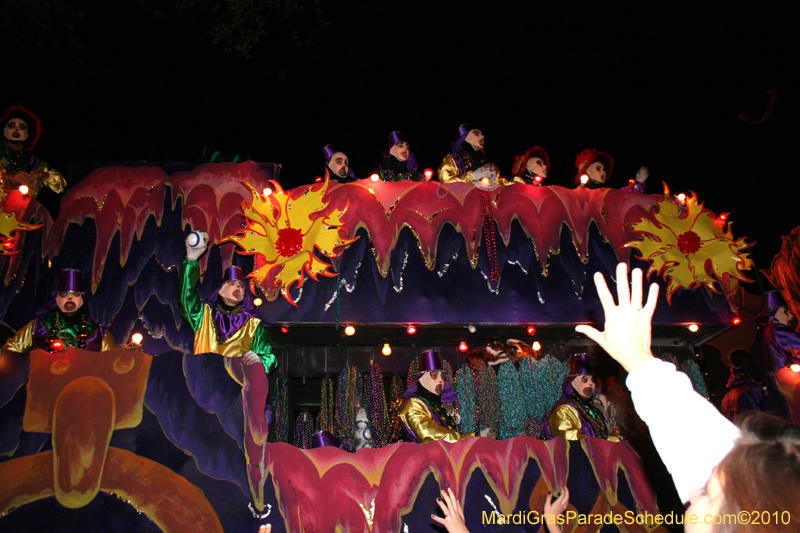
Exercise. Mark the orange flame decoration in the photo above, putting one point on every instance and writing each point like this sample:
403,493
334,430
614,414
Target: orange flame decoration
283,233
691,249
10,224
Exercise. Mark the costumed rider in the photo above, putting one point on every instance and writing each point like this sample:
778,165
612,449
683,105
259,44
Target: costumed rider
530,168
337,166
467,162
227,325
578,414
594,170
777,346
423,416
62,323
21,132
398,162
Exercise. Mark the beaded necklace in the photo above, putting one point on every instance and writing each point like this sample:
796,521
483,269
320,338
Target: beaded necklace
396,401
512,401
374,399
348,390
591,413
488,398
466,392
303,430
280,406
73,342
489,233
325,419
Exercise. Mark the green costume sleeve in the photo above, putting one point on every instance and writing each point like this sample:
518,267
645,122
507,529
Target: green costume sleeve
191,306
263,347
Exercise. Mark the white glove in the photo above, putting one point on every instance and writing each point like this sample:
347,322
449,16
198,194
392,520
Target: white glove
250,357
196,245
488,432
642,174
486,171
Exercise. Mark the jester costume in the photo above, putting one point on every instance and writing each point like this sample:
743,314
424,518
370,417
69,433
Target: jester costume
423,417
74,331
229,332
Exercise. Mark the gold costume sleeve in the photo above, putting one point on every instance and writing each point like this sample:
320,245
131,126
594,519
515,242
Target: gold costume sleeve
505,181
22,342
448,171
417,417
108,342
565,422
52,179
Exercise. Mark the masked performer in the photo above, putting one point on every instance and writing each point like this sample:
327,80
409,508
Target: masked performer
594,170
423,416
21,131
63,323
777,345
227,325
467,162
577,415
530,168
398,162
337,165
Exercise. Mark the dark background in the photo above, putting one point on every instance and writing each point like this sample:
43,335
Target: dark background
659,84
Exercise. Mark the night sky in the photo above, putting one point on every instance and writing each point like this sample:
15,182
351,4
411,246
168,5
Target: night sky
651,83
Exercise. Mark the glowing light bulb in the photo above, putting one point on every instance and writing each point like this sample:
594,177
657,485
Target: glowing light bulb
387,350
682,197
531,331
485,181
23,189
723,216
537,179
284,330
374,177
349,331
471,328
136,338
736,321
267,191
258,301
694,328
463,346
584,179
57,345
318,179
536,346
794,367
428,173
411,329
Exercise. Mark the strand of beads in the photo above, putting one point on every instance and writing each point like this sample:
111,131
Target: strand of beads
374,399
465,392
412,369
347,395
303,430
512,401
489,233
325,419
396,400
280,406
488,398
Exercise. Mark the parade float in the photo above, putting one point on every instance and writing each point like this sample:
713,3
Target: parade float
354,280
